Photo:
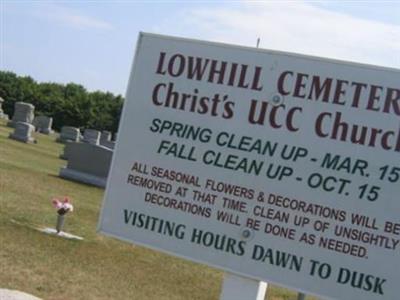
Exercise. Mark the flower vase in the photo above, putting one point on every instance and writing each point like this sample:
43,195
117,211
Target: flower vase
60,223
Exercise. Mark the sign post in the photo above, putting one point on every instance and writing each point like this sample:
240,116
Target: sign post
272,166
238,288
301,296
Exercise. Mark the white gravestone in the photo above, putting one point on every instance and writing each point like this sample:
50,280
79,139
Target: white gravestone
87,163
2,114
91,136
69,133
43,124
23,132
23,112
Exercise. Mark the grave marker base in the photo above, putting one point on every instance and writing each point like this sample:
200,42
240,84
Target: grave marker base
60,234
21,138
83,177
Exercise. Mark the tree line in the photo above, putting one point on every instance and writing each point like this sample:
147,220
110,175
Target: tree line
68,104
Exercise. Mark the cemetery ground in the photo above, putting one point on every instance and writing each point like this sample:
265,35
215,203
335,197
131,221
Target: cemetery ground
98,267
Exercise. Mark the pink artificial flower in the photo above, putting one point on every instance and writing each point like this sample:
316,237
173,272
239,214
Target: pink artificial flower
57,203
62,206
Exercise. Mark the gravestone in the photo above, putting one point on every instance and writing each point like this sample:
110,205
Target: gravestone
87,163
105,140
109,144
105,136
69,134
23,112
2,114
91,136
23,132
43,124
65,153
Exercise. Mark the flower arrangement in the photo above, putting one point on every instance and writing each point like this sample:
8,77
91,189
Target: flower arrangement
62,207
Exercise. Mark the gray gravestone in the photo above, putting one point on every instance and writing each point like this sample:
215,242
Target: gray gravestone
65,153
69,134
91,136
105,136
105,140
23,112
87,163
43,124
109,144
23,132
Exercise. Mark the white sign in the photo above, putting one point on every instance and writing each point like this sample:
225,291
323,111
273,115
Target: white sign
279,167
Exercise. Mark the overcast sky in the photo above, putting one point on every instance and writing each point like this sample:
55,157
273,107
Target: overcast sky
92,42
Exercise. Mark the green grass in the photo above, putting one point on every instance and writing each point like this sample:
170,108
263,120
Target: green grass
96,268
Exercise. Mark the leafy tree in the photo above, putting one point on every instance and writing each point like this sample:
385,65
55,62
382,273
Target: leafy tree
69,105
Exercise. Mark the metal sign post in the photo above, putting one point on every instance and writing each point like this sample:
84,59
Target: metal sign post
301,296
238,288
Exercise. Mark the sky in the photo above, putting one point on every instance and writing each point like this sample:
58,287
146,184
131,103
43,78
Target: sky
92,42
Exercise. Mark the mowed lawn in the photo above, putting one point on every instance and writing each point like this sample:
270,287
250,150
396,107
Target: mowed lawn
97,267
